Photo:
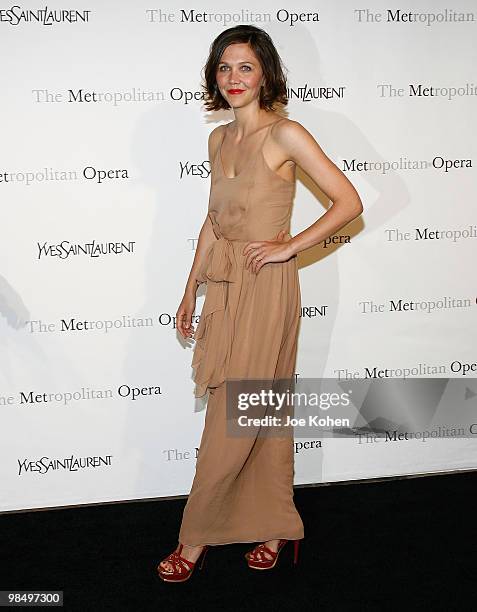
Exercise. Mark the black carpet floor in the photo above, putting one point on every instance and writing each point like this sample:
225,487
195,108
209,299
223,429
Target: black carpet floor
400,544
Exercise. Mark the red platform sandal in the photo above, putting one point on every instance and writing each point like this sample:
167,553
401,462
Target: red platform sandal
258,559
182,568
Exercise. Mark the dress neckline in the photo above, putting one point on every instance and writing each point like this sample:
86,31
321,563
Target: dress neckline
232,178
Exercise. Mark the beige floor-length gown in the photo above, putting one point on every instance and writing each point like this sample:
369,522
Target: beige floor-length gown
243,486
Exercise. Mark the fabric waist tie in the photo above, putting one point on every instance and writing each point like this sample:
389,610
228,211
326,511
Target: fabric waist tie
220,267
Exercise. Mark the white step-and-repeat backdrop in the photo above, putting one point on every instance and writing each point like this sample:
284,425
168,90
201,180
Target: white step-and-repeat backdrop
104,183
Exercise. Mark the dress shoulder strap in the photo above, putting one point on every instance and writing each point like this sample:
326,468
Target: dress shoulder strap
279,120
269,129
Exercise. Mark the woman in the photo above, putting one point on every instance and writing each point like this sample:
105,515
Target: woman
243,486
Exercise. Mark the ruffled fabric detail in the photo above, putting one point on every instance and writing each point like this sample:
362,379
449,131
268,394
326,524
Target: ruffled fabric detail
214,333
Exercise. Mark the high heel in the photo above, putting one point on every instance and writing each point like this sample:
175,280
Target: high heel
257,558
182,568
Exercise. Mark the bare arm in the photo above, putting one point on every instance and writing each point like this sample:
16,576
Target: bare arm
206,239
300,146
206,234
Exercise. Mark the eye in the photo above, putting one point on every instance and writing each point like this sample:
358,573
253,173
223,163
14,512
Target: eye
223,66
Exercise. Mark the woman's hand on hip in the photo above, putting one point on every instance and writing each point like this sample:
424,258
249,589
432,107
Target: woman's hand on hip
260,252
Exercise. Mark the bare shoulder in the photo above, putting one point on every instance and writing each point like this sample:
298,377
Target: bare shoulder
215,137
216,134
299,146
290,134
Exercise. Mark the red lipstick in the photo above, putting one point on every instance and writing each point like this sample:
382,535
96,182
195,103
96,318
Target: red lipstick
235,91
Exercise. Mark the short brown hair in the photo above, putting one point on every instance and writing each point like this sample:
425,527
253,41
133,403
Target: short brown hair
274,90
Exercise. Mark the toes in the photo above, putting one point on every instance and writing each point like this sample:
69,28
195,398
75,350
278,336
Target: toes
165,565
258,554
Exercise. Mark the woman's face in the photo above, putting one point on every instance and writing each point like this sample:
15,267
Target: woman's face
239,75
